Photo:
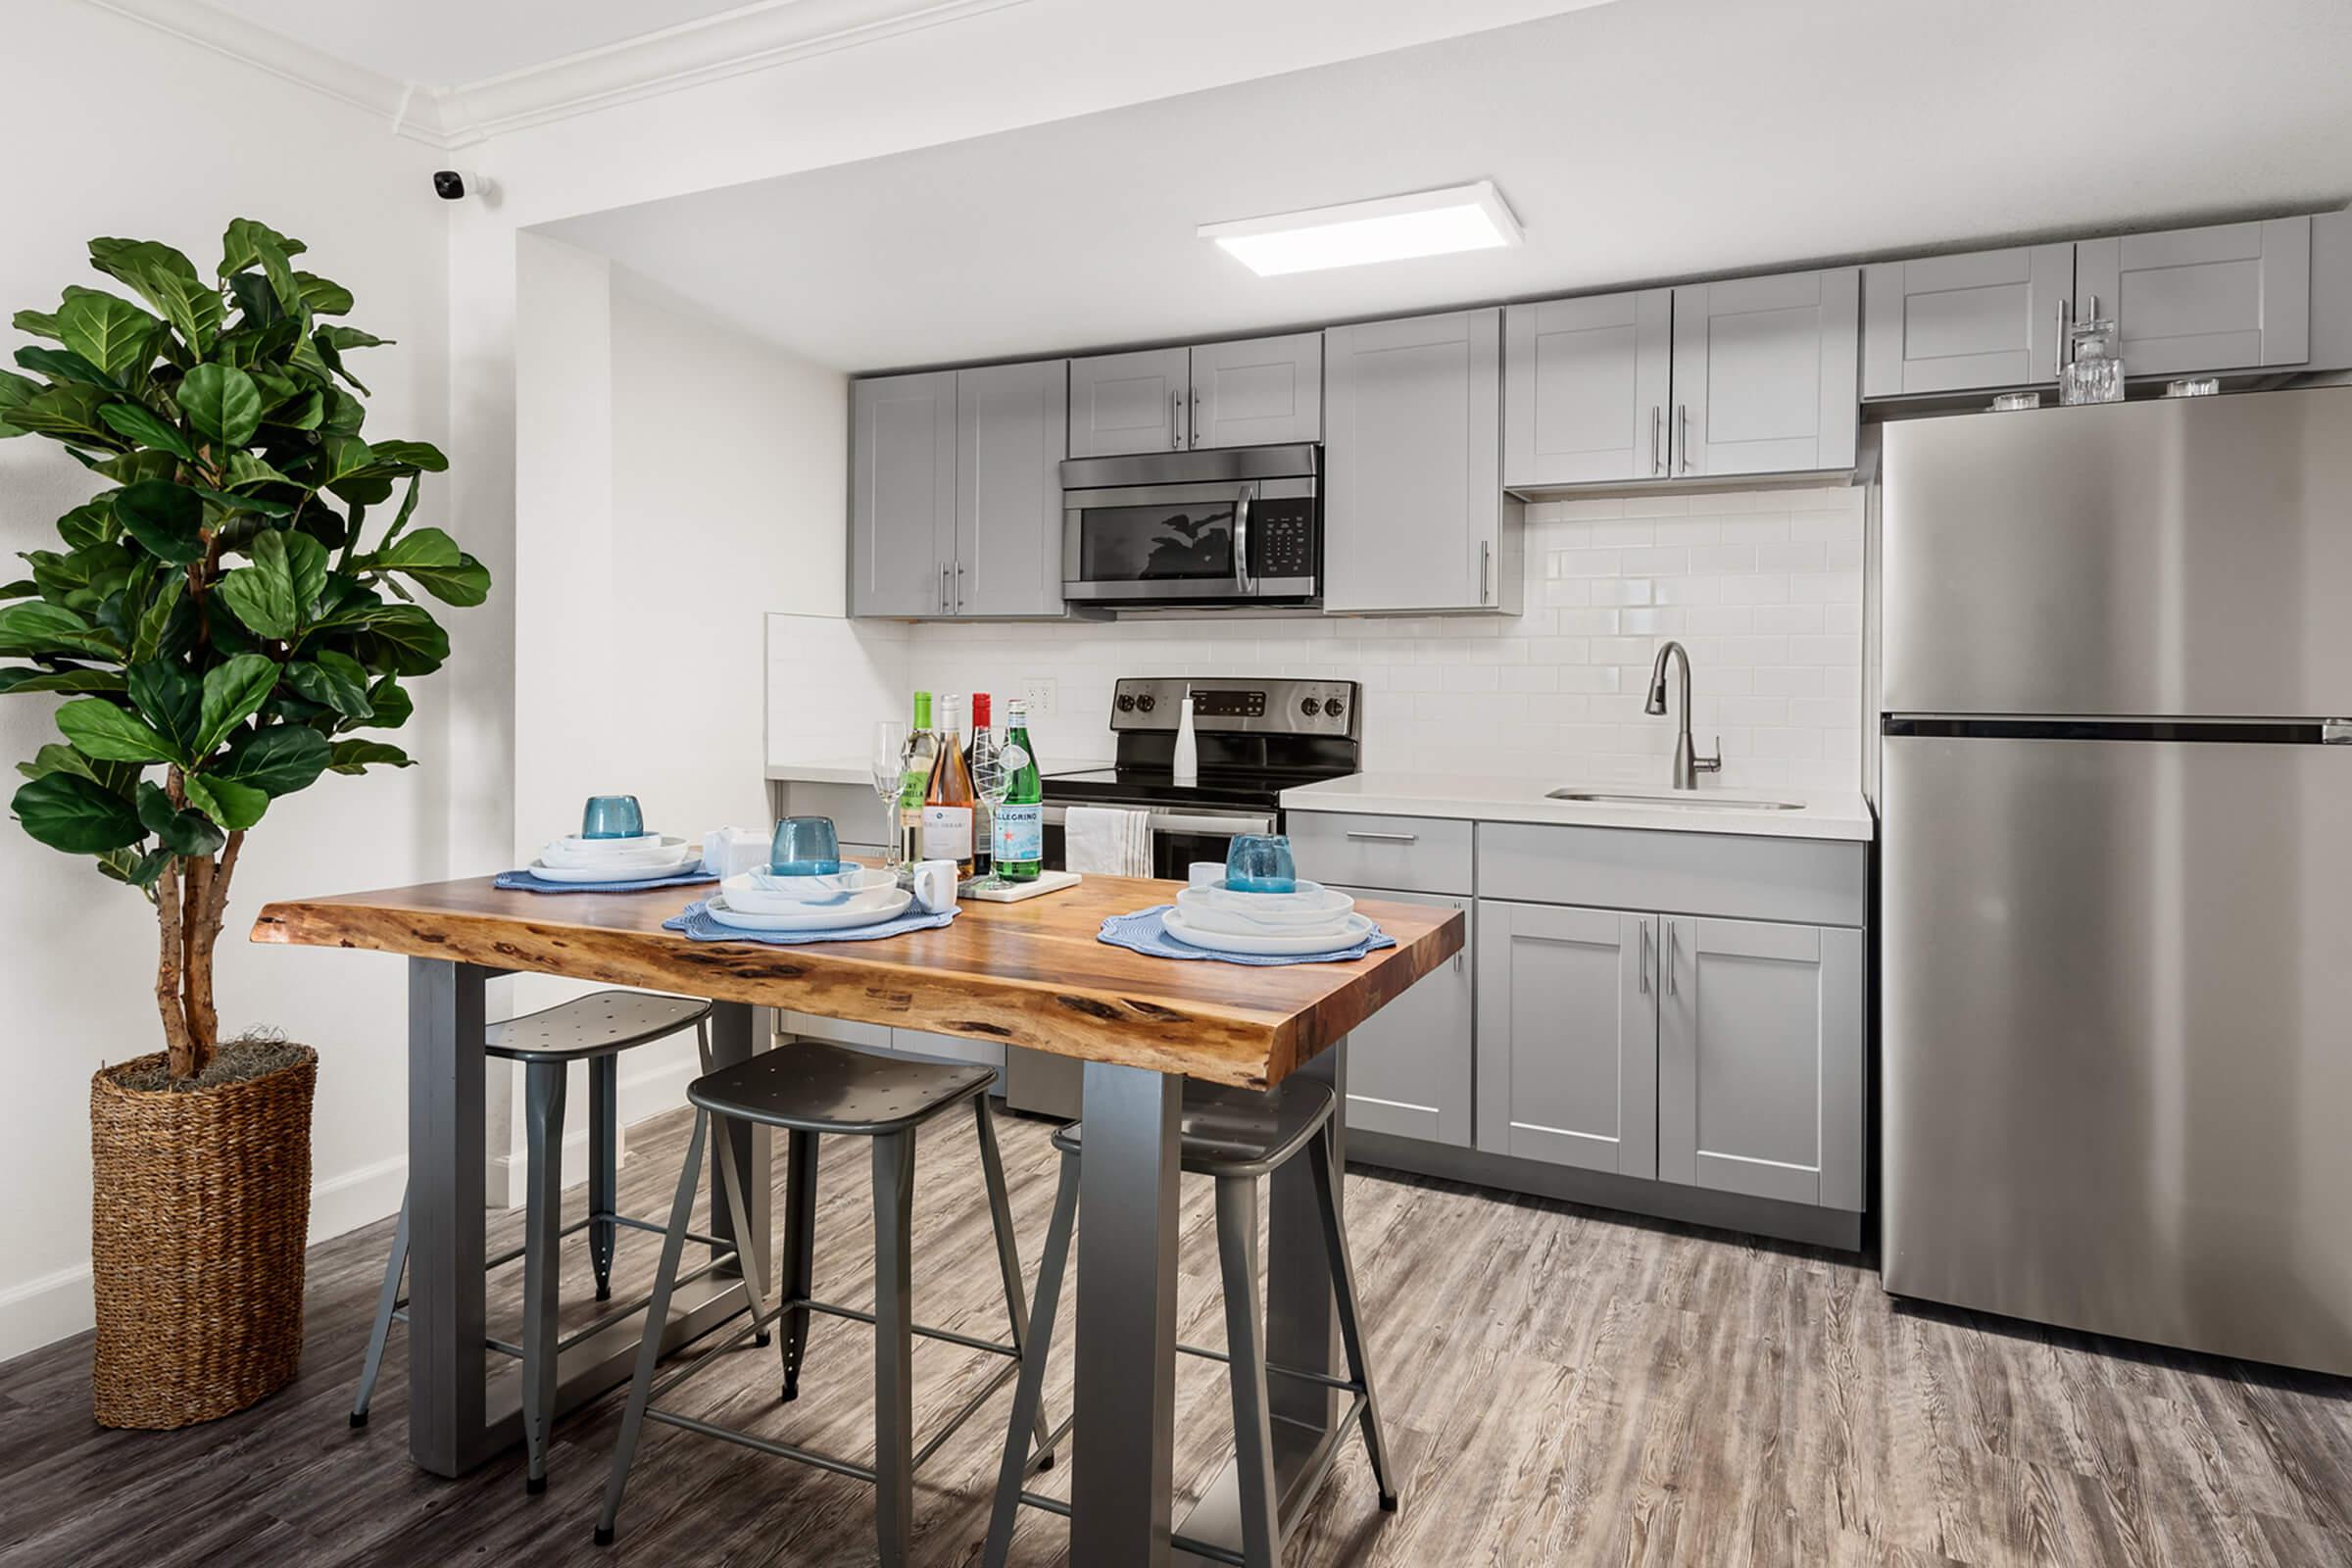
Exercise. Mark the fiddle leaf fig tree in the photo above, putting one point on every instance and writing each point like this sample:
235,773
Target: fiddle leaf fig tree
224,621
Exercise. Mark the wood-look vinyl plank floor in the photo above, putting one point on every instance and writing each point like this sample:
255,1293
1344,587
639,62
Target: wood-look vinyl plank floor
1562,1387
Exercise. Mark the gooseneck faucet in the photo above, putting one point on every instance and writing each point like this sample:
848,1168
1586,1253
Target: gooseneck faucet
1687,763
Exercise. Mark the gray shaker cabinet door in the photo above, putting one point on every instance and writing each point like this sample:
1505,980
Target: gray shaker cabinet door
903,494
1261,392
1766,374
1121,403
1760,1062
1012,421
1956,323
1409,1067
2230,297
1567,1036
1413,508
1585,389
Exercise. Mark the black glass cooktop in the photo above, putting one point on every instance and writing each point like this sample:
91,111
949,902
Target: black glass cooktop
1255,789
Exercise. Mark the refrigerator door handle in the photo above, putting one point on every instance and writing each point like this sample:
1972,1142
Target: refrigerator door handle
2335,732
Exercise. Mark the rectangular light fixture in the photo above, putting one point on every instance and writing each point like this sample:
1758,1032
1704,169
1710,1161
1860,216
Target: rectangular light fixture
1389,229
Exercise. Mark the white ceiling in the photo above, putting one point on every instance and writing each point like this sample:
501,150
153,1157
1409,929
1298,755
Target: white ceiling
1639,141
443,43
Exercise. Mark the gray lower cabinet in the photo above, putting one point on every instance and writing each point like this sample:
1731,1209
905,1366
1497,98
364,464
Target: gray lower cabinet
902,494
1568,1036
1766,376
1415,516
1408,1068
2226,297
1960,323
1585,389
1760,1060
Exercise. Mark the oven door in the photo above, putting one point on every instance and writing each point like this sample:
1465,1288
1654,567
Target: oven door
1177,838
1222,541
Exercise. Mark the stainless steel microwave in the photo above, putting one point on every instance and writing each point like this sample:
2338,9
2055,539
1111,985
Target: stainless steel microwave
1242,526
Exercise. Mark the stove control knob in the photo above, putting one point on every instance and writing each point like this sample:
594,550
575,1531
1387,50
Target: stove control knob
1126,701
1146,702
1334,707
1311,708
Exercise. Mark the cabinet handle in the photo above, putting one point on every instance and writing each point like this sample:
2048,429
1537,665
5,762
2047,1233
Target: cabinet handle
1195,434
1682,434
1486,552
1654,415
1644,968
942,587
2058,353
959,608
1672,948
1386,838
1176,422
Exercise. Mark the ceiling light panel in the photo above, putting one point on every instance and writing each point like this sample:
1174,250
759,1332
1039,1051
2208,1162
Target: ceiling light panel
1391,228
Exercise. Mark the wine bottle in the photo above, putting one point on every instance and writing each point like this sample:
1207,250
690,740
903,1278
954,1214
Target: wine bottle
922,750
979,751
948,799
1020,824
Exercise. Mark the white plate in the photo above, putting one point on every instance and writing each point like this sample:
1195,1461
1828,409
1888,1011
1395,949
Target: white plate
610,874
1345,934
1218,909
574,843
828,889
890,908
667,850
750,900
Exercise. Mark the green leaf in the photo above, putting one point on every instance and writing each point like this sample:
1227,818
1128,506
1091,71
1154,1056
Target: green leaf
222,404
166,519
15,389
351,337
302,413
35,324
71,812
325,298
98,728
245,468
432,559
390,705
66,365
162,619
245,241
233,805
333,358
172,702
136,423
129,468
92,523
261,595
183,832
165,280
233,690
239,501
345,413
403,639
111,333
347,458
407,454
43,628
30,679
256,300
356,756
333,680
141,871
68,413
276,761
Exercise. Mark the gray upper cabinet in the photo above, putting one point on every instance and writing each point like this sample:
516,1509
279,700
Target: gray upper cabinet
1760,1065
1765,374
1010,424
1121,403
2230,297
902,494
1959,324
1408,1068
1586,389
1260,392
1414,514
1567,1036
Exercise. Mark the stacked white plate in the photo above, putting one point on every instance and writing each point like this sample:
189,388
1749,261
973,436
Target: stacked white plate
646,857
1312,919
855,896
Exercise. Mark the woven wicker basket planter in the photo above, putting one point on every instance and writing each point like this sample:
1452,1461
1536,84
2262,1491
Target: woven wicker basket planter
198,1218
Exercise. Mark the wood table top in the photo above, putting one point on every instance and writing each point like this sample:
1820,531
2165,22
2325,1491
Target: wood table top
1025,974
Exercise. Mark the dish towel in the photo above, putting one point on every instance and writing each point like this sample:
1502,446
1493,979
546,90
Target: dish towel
1141,932
1106,841
696,923
524,882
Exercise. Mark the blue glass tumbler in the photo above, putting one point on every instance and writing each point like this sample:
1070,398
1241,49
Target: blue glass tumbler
611,816
1260,863
804,845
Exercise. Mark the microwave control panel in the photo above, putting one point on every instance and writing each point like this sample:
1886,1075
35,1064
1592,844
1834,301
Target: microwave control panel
1282,537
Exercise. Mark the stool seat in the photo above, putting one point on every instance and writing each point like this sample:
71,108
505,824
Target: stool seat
821,1088
594,1025
1238,1132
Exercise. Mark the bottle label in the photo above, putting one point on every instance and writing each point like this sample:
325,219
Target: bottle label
1020,834
947,832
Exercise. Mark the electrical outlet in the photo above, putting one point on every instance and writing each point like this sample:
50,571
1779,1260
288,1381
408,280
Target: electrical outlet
1038,692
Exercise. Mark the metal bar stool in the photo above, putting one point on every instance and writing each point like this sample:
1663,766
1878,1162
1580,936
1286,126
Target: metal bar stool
809,1089
1236,1135
595,1028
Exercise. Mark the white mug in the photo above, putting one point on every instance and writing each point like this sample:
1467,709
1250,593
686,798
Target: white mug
1205,873
935,886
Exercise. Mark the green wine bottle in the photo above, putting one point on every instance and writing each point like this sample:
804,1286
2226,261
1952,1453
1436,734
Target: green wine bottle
922,752
1020,847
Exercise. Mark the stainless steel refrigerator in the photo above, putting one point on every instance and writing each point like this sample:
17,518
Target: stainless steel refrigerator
2116,774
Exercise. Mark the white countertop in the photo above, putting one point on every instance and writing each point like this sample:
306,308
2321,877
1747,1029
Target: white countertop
1821,813
821,773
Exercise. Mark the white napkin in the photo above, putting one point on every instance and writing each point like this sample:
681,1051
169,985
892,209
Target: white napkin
733,850
1105,841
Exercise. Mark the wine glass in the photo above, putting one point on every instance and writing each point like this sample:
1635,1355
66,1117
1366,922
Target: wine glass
888,761
992,781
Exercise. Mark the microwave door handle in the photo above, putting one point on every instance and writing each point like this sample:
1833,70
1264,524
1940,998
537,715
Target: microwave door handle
1241,539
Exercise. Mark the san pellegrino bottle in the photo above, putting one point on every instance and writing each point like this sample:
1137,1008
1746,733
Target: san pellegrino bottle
922,752
947,800
1021,820
979,760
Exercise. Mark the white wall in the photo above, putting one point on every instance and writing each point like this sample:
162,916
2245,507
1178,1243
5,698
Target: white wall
178,143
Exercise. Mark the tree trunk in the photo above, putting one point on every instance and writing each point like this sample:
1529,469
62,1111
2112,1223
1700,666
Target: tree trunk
169,968
208,903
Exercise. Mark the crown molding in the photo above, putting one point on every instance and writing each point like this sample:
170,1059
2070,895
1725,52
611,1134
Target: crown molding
749,38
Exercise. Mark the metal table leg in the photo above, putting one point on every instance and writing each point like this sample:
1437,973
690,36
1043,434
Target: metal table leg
1121,1484
737,1030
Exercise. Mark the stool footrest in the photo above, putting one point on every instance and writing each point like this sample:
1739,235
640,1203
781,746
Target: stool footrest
968,1340
1275,1369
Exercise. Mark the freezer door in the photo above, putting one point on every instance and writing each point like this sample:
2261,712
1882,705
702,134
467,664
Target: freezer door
2117,1055
2182,557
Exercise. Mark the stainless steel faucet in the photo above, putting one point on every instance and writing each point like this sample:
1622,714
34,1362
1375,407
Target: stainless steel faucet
1687,763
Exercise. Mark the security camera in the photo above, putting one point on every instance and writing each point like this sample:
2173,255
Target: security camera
456,185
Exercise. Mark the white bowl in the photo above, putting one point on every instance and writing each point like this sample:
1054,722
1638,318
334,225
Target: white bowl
1345,932
659,852
608,873
764,890
574,843
1311,905
750,902
888,902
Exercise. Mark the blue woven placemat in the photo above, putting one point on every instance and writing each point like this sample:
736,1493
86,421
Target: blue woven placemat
1141,932
524,882
696,923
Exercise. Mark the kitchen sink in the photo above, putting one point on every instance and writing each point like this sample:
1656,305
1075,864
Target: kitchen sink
1680,799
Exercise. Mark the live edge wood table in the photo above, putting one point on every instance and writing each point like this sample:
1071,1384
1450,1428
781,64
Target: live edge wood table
1025,974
